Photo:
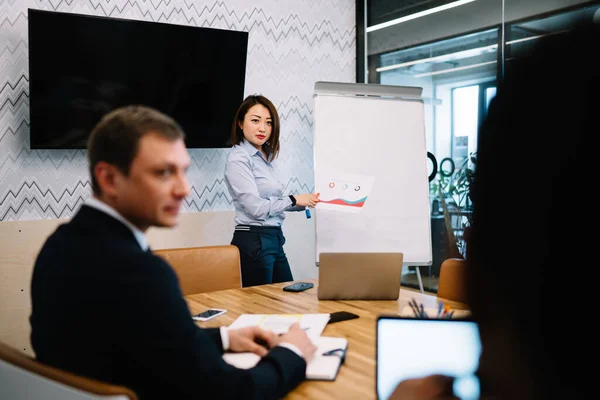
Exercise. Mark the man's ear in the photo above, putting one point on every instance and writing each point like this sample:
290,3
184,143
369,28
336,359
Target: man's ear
107,176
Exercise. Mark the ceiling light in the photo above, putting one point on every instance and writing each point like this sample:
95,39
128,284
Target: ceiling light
445,71
417,15
534,37
462,54
445,57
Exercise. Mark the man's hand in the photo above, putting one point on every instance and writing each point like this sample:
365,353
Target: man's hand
433,387
298,338
252,338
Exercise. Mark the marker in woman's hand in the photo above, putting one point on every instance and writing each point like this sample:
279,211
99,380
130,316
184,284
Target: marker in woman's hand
307,211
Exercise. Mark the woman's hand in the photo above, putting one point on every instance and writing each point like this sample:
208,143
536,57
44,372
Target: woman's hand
307,199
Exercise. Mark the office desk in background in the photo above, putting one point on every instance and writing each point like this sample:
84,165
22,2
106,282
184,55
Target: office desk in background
356,379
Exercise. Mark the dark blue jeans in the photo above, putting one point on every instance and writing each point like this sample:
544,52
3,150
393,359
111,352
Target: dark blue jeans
262,257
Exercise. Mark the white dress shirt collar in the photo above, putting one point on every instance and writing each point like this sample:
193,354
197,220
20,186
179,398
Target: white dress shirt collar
105,208
249,147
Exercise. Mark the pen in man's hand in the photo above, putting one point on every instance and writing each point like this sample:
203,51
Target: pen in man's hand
304,329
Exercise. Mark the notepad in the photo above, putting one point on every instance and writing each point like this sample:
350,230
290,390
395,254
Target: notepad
327,361
329,356
313,324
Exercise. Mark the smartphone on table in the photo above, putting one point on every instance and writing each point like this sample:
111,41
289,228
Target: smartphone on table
298,286
340,316
208,314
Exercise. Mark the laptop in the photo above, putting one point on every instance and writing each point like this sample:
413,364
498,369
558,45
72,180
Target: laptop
414,348
359,276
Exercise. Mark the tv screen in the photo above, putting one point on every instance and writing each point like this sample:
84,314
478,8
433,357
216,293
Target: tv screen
81,67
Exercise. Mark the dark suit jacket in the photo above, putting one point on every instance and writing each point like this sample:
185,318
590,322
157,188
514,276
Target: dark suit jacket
104,308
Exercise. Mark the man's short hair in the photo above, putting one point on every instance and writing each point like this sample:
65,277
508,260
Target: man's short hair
116,137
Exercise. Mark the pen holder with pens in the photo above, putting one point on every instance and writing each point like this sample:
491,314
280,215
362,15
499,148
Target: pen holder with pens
444,311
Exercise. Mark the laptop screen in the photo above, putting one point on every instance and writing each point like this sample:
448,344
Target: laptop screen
413,348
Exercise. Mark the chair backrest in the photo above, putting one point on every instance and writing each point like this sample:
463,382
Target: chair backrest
23,378
206,268
452,283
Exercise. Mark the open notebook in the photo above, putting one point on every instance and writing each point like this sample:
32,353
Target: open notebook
330,355
313,324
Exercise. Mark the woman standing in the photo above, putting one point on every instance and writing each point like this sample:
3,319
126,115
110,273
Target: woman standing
257,193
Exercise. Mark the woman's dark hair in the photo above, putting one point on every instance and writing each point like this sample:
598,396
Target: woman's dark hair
237,135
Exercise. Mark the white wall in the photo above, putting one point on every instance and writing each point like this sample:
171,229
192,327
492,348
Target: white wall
292,44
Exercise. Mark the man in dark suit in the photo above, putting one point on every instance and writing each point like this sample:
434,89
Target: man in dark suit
105,307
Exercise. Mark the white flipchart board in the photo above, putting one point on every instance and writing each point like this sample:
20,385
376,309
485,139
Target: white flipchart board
375,134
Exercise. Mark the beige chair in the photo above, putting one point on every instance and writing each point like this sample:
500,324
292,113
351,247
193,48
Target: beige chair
24,378
206,268
452,283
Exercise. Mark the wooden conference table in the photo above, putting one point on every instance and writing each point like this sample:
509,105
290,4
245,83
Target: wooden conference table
356,378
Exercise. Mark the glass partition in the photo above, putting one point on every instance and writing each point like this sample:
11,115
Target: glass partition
466,49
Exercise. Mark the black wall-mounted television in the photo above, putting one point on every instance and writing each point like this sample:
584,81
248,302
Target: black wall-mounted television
81,67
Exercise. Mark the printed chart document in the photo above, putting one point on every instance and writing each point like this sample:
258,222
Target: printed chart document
329,356
343,192
313,324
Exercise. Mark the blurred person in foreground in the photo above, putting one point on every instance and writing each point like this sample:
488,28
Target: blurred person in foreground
530,257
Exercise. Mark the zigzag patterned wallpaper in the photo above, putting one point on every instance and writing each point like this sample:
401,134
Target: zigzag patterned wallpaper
292,44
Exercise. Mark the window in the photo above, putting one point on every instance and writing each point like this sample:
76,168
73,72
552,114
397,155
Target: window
465,116
455,75
440,68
